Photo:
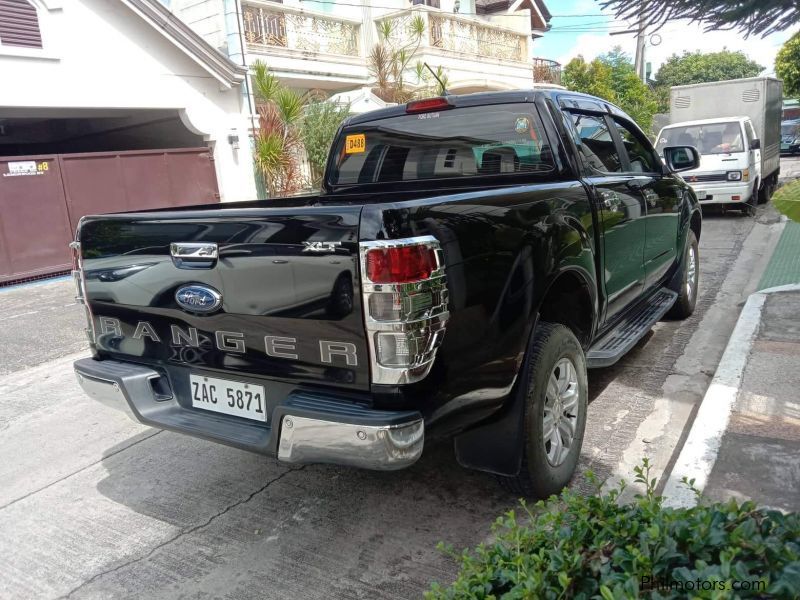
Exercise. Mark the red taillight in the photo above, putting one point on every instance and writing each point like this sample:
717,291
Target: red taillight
418,106
400,265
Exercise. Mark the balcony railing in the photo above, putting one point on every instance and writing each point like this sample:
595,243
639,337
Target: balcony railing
453,33
278,26
546,71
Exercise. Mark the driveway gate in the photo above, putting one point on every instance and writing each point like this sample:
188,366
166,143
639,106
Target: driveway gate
43,197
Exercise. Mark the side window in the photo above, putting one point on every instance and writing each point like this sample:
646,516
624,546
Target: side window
642,158
595,143
748,129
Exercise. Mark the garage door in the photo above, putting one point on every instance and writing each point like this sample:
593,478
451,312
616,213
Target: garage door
42,198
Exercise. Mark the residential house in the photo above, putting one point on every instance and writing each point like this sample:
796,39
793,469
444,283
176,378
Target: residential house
325,44
109,106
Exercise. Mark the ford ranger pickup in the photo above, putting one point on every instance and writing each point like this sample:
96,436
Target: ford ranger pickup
468,259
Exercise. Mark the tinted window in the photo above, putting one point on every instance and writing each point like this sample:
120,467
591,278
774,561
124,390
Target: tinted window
462,142
711,138
595,144
639,154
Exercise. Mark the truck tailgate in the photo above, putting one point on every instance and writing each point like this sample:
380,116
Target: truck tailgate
289,305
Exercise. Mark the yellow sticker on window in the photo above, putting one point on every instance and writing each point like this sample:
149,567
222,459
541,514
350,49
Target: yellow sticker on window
354,144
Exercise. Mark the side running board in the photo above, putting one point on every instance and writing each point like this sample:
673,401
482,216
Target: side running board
613,345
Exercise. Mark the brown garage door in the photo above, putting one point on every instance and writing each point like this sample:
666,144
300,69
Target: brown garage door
34,223
42,198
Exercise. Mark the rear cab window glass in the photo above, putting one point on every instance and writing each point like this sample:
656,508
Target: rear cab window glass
595,144
480,141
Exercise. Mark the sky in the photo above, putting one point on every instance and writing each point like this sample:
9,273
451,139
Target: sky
589,35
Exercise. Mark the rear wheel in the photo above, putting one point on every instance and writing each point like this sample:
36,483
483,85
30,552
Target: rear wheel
765,191
555,400
687,295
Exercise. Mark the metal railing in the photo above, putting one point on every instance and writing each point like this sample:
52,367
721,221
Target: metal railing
470,36
276,25
546,71
457,34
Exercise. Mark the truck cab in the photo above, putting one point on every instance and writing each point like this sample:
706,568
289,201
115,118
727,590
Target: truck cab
730,158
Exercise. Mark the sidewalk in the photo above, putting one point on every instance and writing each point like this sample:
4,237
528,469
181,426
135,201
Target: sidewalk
745,441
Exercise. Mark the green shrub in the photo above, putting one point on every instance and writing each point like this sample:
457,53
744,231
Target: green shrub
787,201
594,547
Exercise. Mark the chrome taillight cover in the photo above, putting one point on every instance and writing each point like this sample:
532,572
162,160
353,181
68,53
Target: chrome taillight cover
408,317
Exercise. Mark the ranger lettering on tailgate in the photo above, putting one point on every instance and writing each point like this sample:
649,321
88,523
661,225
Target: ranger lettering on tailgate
233,341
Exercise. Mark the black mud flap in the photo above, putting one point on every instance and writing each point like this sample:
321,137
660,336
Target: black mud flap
495,445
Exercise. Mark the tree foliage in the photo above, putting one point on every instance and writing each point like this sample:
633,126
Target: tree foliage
318,128
390,63
787,66
696,67
612,77
752,17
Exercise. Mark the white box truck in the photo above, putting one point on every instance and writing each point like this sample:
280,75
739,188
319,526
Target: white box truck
736,127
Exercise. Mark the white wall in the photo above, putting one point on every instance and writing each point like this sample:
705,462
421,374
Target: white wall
99,54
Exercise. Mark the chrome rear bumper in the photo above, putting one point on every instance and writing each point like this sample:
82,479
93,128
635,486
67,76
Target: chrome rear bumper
304,428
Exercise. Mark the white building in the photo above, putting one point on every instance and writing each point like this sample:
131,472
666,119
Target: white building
123,75
325,44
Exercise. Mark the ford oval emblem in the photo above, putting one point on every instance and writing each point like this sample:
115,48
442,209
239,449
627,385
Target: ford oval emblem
198,298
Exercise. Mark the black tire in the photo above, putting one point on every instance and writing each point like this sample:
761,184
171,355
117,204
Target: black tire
687,296
538,476
765,191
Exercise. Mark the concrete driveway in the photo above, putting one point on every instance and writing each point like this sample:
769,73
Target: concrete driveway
95,506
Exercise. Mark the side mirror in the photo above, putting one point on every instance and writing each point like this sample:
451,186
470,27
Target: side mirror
755,144
681,158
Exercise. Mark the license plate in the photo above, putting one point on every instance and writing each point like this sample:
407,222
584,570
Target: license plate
229,397
700,194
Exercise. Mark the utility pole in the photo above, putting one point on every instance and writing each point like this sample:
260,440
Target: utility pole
639,62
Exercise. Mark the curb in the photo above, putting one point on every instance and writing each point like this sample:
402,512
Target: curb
699,453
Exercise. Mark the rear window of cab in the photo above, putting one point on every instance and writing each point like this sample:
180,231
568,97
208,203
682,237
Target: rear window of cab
479,141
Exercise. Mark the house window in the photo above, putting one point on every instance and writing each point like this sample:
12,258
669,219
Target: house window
19,24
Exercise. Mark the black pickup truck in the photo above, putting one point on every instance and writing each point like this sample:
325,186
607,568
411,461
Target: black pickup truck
468,259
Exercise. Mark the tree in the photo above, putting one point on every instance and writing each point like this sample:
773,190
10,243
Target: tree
612,76
317,129
389,62
787,65
696,67
752,17
277,141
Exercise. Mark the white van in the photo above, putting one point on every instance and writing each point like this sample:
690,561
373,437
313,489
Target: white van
730,158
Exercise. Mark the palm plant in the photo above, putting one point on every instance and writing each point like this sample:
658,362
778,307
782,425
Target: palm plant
277,141
390,58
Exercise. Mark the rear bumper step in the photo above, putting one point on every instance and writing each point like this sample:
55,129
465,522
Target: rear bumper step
305,427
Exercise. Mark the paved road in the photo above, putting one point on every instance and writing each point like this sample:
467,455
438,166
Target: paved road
95,506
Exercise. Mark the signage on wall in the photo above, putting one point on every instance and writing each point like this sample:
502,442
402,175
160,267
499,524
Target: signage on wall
26,167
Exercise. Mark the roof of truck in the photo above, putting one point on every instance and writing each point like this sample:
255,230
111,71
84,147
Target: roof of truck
487,98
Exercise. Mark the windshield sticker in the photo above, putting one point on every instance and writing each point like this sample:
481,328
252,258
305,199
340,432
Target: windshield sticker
355,144
522,125
428,116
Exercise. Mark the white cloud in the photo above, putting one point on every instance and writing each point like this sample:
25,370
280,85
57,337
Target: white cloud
675,38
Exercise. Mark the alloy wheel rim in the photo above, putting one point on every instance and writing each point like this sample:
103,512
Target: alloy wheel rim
691,273
560,420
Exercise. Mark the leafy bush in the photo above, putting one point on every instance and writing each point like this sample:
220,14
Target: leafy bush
787,200
593,547
318,128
